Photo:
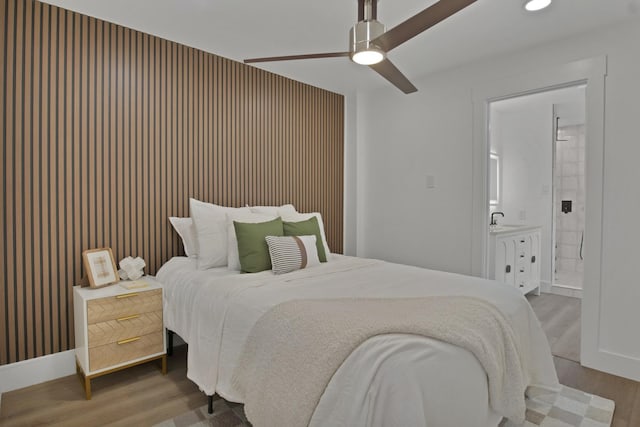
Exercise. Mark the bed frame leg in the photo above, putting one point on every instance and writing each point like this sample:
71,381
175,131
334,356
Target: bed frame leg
210,404
170,342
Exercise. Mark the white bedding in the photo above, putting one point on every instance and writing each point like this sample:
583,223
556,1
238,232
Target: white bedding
389,380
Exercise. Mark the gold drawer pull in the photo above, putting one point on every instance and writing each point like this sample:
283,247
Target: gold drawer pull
128,340
135,294
133,316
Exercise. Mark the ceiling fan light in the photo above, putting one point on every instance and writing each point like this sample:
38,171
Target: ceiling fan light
534,5
363,51
368,57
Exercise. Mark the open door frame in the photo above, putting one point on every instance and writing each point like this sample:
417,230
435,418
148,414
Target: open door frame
591,72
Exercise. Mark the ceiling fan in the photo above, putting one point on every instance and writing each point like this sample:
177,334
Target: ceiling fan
370,43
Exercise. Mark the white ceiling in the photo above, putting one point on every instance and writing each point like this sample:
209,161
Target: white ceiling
240,29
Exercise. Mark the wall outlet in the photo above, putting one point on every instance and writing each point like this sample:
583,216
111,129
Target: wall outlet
522,215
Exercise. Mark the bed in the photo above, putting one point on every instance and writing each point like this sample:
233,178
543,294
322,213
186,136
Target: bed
392,379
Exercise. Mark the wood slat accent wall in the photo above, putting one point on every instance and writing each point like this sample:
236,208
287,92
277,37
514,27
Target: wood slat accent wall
107,131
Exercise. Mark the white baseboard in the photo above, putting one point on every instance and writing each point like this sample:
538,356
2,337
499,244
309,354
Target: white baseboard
46,368
37,370
545,286
566,291
614,363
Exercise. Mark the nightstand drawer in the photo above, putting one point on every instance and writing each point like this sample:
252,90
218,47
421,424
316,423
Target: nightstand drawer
133,325
111,308
125,350
117,327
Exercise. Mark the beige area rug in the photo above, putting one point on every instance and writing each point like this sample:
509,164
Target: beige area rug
568,408
225,414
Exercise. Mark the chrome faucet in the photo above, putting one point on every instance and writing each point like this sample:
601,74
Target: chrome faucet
493,220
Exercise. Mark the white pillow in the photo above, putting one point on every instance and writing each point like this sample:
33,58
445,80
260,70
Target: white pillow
211,232
290,253
274,210
297,217
187,232
233,257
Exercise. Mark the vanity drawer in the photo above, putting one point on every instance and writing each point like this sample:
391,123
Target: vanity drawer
523,275
521,255
124,327
125,350
112,308
515,256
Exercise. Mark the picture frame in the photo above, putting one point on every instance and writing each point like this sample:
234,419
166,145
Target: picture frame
100,266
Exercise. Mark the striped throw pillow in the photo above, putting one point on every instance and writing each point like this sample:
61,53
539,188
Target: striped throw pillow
290,253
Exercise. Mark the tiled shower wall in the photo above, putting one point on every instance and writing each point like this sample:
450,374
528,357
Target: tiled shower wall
569,185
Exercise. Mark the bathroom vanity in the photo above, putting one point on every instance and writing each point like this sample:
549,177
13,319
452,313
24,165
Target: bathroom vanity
514,256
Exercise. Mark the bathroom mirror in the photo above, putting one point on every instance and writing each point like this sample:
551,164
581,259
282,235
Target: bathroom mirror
494,179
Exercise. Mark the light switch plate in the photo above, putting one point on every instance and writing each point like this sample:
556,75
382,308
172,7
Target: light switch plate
431,181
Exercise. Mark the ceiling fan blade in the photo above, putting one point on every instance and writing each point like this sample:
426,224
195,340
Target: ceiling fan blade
293,57
389,71
418,23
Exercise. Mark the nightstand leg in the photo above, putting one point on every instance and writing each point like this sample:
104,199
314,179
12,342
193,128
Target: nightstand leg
164,365
86,381
87,387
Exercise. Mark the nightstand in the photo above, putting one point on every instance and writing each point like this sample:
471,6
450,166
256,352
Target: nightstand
116,328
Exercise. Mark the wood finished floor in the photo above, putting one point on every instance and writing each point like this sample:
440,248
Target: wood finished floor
142,396
560,318
139,396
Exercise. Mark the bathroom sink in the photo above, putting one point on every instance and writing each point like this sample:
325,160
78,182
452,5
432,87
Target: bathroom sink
505,228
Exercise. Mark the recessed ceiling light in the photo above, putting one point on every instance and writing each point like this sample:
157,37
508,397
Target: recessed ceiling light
533,5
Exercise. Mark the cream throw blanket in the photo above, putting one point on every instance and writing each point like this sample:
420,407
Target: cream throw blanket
296,347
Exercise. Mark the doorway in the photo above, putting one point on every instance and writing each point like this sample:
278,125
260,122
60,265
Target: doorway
592,72
537,145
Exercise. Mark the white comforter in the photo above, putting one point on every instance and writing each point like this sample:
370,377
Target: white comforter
389,380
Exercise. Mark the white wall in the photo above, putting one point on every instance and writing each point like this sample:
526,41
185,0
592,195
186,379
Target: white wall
403,138
523,138
350,175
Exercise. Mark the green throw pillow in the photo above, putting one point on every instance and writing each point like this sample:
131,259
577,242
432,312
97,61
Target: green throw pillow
309,227
252,246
